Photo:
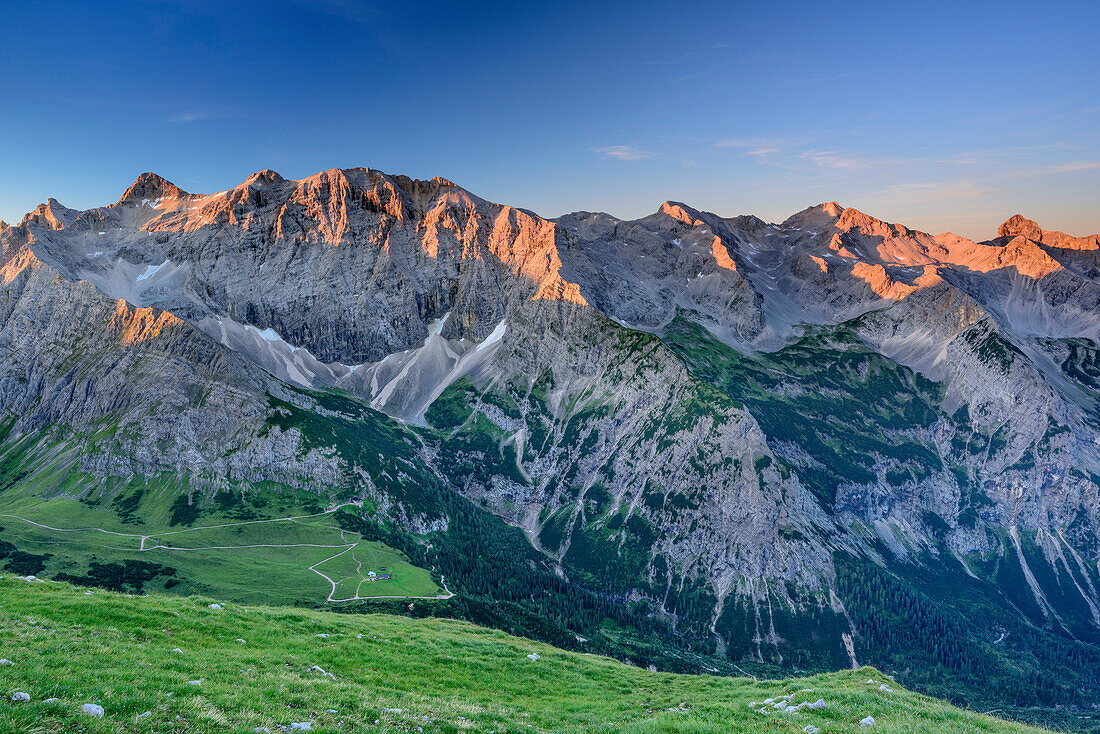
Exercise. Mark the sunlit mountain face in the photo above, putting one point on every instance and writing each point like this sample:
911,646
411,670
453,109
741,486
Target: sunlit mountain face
697,442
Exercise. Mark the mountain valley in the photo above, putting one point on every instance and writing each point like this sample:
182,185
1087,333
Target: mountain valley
690,442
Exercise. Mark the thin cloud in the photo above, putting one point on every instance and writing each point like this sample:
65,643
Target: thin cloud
623,152
191,116
821,79
838,160
1074,167
1053,170
935,191
669,62
704,71
763,147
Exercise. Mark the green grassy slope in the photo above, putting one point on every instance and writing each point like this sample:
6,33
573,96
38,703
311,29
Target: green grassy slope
137,542
253,667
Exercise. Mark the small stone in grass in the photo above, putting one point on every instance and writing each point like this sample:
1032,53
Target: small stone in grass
5,661
810,729
533,656
195,682
144,715
886,688
818,704
93,710
216,606
301,726
262,730
331,711
869,721
321,635
51,700
20,697
176,650
240,641
319,669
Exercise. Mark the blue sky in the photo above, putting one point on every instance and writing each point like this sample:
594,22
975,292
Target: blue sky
944,116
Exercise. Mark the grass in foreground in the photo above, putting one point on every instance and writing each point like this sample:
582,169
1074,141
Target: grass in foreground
241,668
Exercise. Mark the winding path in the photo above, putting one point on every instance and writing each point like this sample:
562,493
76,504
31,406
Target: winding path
345,547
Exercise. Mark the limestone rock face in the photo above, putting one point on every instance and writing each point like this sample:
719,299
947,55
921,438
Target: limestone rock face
1019,226
653,370
74,357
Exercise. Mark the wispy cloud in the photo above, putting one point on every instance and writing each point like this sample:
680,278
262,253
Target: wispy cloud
674,60
935,191
704,71
840,160
1073,167
191,116
795,153
623,152
763,147
821,79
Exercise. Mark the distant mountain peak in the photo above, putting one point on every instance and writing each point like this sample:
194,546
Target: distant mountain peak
52,214
681,212
818,216
151,186
265,177
1020,226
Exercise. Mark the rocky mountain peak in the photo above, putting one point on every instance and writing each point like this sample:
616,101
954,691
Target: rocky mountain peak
681,213
151,186
52,215
266,177
816,217
851,218
1020,226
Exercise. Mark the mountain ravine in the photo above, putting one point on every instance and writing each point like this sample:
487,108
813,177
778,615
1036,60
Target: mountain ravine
697,442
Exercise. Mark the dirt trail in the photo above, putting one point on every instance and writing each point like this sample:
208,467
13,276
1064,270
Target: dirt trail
345,547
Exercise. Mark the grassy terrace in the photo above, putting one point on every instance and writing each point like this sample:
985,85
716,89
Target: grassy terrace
253,667
288,555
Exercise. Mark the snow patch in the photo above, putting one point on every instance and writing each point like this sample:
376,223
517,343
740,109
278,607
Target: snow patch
494,336
435,328
150,271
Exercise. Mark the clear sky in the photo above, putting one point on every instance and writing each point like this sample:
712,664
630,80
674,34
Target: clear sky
943,116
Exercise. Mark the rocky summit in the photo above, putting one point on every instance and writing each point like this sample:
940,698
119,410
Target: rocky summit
695,442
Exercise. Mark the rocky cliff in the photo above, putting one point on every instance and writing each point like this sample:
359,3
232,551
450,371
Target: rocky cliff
693,412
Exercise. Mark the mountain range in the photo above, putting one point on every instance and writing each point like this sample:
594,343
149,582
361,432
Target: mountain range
691,441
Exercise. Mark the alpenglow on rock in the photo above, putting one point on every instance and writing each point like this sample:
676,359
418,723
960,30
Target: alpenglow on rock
733,423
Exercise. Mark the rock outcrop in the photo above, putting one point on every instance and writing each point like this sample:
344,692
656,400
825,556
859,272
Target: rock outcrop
628,390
